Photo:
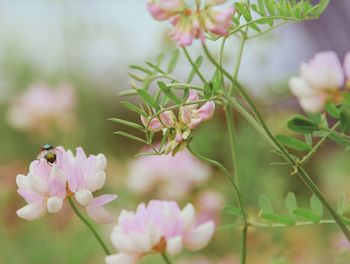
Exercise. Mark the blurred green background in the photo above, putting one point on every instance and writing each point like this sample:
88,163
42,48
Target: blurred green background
89,45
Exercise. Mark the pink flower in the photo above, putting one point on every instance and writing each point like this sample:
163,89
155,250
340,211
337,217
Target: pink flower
178,129
171,177
192,24
41,106
320,81
164,9
209,204
47,185
158,227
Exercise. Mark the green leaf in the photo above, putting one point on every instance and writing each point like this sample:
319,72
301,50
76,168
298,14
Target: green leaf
280,219
269,6
265,205
341,204
291,202
345,120
316,206
167,91
302,125
232,210
217,81
155,67
332,109
322,6
293,143
127,123
208,90
134,108
132,137
148,99
306,214
198,62
173,61
139,68
261,7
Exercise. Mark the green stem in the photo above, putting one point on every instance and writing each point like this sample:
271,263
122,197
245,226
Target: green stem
223,170
299,170
233,147
188,57
86,222
166,258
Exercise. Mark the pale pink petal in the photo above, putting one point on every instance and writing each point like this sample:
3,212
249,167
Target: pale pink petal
188,215
95,181
22,181
103,199
347,65
206,112
54,204
168,118
30,196
122,258
324,71
200,236
174,245
99,214
101,162
84,197
31,211
300,88
313,104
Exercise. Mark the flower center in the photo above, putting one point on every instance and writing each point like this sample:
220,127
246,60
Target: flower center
161,246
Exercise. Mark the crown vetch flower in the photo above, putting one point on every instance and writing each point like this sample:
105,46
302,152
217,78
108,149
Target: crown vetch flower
47,185
41,106
160,226
179,129
190,24
172,177
320,81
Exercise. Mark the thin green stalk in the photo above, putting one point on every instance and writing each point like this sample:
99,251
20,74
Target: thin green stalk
308,156
188,57
166,258
233,147
86,222
223,170
299,170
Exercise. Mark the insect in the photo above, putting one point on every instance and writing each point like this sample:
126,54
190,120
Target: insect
48,152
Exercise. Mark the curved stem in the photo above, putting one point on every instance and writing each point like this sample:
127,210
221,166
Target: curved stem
200,75
223,170
299,170
166,258
86,222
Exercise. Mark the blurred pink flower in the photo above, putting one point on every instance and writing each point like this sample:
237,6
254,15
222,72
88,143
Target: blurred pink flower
190,24
158,227
320,81
173,177
40,106
47,185
209,204
189,118
340,242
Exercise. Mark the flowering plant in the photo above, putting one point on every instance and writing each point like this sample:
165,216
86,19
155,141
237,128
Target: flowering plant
171,110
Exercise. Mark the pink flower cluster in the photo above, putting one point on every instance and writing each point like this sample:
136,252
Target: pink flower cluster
41,106
172,177
47,185
190,24
189,118
160,227
321,81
